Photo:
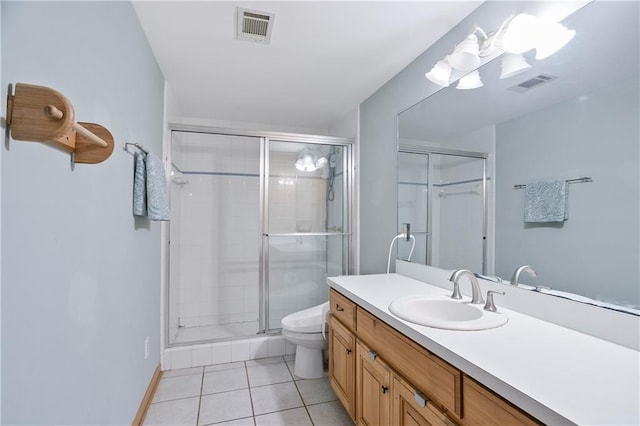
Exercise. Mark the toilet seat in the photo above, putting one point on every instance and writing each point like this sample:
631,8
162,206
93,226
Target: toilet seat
308,320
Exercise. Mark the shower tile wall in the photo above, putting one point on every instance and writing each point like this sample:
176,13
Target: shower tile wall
218,237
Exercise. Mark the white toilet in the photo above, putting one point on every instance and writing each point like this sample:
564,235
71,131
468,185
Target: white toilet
305,330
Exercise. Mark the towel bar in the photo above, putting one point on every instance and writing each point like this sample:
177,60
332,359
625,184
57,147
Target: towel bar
42,114
576,180
137,145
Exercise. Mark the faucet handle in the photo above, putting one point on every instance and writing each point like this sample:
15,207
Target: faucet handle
490,305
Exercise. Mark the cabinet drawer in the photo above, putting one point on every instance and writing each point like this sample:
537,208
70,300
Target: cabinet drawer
483,407
343,309
438,380
411,407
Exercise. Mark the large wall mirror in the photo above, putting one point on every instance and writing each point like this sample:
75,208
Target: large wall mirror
581,124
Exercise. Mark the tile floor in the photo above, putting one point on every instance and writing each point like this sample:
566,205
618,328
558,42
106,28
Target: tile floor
257,392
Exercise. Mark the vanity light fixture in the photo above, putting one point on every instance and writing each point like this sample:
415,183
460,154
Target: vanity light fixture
470,81
526,32
465,55
513,64
553,37
440,73
517,34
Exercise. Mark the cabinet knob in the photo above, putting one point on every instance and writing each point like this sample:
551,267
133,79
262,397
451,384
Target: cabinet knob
338,308
385,389
348,351
372,355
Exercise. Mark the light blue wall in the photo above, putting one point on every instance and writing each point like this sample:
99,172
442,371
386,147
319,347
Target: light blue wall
595,135
80,276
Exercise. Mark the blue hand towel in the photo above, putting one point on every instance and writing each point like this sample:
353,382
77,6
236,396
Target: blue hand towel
546,201
139,186
157,198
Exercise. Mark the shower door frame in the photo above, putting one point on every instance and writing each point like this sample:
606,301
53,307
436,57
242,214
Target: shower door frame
264,138
429,151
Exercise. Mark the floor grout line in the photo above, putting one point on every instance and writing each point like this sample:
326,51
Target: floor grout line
200,399
253,411
304,404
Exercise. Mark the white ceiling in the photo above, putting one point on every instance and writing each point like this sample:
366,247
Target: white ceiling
324,57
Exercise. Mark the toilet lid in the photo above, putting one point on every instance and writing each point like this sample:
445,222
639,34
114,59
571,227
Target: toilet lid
306,321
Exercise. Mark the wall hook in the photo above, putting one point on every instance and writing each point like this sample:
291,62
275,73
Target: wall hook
42,114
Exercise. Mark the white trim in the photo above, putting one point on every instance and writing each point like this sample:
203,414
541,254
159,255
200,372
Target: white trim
164,230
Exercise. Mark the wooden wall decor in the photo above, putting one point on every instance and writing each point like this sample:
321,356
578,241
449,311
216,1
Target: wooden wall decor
42,114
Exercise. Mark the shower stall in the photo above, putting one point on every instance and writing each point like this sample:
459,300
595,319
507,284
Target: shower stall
442,193
258,221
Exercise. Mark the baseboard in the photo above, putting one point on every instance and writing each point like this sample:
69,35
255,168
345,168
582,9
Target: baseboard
148,396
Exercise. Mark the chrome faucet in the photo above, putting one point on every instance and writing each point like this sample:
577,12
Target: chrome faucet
476,295
516,274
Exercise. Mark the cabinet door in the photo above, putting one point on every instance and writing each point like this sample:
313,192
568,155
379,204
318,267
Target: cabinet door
342,364
373,388
412,408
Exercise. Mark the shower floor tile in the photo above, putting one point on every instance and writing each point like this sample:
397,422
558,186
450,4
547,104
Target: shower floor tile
258,392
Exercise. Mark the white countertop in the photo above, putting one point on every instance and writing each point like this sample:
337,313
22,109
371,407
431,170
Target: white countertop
556,374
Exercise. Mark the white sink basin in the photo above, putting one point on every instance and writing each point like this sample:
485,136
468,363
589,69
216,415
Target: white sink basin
445,313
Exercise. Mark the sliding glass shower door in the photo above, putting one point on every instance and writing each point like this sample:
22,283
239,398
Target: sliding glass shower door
306,234
214,252
257,225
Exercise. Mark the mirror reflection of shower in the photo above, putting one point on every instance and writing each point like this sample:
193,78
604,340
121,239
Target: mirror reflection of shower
312,158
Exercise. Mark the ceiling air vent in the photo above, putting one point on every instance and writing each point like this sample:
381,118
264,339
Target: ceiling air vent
253,25
532,82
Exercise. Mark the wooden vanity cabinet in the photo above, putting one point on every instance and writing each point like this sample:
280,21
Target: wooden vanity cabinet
373,388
